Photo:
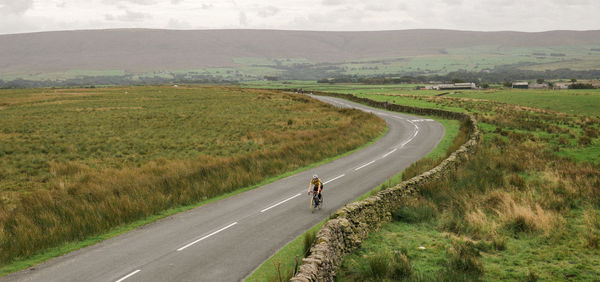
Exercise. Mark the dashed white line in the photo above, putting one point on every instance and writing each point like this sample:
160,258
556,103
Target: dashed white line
389,153
338,177
128,275
270,207
211,234
364,165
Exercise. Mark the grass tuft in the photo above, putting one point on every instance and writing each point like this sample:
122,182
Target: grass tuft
464,257
309,239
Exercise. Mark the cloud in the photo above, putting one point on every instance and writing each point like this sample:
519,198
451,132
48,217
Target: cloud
129,16
377,8
333,2
268,12
453,2
521,15
18,7
139,2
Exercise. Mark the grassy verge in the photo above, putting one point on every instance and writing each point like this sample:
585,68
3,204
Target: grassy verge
281,264
523,208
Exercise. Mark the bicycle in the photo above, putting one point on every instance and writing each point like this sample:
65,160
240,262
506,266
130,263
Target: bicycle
315,203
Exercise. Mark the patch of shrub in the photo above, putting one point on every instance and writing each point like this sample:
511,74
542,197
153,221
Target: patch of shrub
531,276
280,275
591,235
517,181
584,140
499,243
452,223
379,265
519,218
581,86
386,265
591,132
564,141
463,256
401,268
519,223
419,167
422,211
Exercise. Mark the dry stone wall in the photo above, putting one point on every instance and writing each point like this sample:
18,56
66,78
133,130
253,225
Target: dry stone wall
351,224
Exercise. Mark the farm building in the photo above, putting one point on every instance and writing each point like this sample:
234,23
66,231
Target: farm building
539,86
561,85
455,86
521,85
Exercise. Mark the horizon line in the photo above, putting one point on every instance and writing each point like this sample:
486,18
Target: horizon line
295,30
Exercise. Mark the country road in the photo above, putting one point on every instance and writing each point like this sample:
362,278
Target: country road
226,240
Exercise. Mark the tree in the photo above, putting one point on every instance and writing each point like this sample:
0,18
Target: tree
581,86
540,80
573,80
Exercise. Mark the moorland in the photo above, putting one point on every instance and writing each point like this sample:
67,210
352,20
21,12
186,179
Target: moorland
78,163
524,207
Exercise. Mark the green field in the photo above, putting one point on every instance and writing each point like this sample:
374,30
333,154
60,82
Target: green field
578,102
76,163
525,207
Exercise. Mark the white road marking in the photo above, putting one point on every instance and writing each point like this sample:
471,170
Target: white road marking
413,136
390,152
338,177
192,243
270,207
364,165
128,275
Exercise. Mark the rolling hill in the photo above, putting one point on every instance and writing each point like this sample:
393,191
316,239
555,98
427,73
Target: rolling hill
263,52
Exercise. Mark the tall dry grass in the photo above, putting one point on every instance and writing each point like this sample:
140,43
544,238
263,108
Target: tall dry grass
81,201
523,198
515,182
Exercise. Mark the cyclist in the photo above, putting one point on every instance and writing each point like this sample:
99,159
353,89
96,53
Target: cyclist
316,185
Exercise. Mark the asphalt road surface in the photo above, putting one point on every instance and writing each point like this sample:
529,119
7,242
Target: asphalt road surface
226,240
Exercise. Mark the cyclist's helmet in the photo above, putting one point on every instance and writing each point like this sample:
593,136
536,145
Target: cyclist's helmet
315,176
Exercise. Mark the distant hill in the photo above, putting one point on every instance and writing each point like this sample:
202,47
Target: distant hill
147,50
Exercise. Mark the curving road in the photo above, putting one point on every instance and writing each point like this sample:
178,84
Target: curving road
228,239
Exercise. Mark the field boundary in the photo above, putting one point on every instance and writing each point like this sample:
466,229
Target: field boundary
351,224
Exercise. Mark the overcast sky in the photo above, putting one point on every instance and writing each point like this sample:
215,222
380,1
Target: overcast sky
19,16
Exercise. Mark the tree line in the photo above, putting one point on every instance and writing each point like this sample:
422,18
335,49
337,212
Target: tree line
93,81
482,77
307,72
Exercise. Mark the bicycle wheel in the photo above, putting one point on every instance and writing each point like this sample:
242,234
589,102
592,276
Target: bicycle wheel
311,204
